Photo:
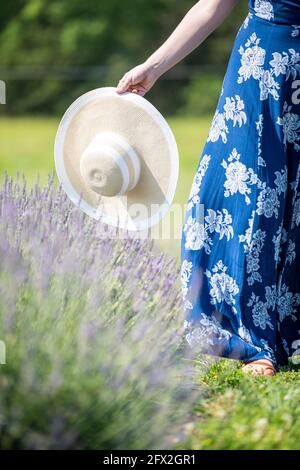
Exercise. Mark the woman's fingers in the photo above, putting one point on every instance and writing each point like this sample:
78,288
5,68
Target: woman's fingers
124,83
138,92
138,87
139,80
121,87
132,79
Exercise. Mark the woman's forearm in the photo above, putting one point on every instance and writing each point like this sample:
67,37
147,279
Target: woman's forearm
203,18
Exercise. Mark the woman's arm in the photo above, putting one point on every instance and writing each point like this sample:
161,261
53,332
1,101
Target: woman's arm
203,18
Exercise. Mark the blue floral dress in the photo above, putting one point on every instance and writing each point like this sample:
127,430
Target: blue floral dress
240,248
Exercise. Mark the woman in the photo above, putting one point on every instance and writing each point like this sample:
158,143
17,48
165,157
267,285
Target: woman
240,240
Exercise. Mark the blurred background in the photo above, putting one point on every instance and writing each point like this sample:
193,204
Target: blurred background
52,52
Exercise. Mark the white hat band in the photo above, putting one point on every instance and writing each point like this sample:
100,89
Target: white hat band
109,165
117,158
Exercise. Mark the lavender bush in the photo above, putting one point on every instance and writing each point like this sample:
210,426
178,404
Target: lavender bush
91,323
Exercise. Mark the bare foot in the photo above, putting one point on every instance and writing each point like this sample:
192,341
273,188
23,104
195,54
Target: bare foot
260,367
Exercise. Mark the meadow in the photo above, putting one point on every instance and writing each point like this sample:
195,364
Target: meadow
95,358
27,146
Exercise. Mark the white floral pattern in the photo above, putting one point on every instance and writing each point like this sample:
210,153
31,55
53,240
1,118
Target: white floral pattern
279,239
233,111
197,234
223,286
253,66
185,273
290,123
268,198
286,303
259,127
240,238
252,61
244,333
194,197
206,334
296,212
238,176
295,30
264,9
245,23
296,200
260,309
253,245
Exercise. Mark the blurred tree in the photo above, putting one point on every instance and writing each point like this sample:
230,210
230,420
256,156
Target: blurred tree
51,52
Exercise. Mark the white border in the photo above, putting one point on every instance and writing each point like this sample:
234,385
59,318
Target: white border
66,183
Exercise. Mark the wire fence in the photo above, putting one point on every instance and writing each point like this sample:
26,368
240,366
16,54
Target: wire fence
89,73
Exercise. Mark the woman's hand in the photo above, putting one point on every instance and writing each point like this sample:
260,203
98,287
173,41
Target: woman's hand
138,80
197,24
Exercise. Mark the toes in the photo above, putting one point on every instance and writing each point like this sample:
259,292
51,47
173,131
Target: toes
258,370
269,372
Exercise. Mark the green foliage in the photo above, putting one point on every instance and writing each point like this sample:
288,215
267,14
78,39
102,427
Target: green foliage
37,37
234,412
241,412
91,322
200,97
27,147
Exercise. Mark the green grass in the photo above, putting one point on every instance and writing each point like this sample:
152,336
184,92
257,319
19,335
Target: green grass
236,411
240,412
27,146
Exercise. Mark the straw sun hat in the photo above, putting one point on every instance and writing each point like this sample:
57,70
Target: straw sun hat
117,158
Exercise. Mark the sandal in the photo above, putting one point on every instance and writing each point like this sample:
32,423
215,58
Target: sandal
260,367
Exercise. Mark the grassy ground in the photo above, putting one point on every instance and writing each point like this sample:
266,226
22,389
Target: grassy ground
26,144
239,412
236,412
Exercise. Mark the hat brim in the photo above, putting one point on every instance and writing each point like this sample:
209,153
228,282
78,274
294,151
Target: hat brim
153,139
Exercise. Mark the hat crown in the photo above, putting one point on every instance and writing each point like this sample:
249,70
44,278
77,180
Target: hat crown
152,151
109,165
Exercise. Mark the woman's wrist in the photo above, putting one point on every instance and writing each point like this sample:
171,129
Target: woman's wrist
157,66
198,23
